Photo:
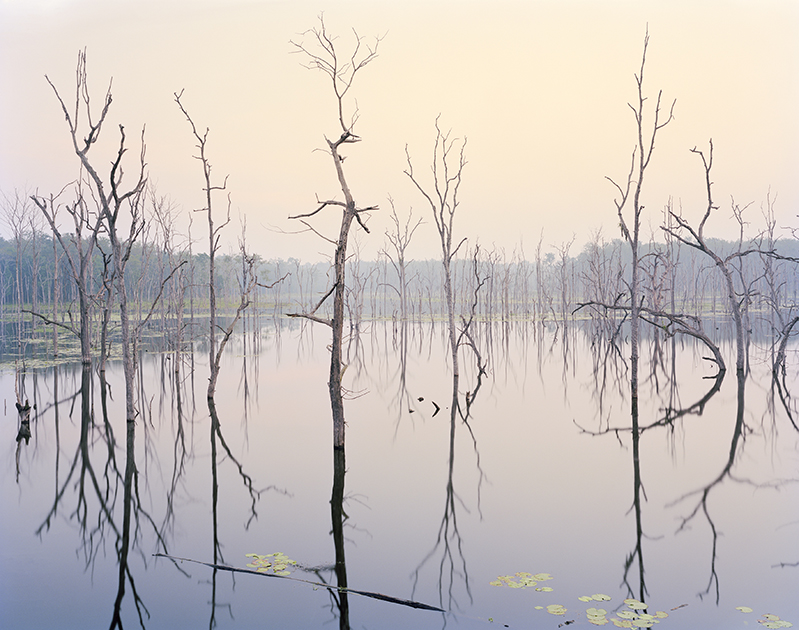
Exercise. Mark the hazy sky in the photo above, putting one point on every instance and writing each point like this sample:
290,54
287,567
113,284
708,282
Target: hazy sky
539,88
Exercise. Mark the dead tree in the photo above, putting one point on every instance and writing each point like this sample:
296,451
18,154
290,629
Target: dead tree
602,283
121,247
543,297
449,541
213,242
165,214
56,294
323,55
399,238
110,200
78,247
629,199
248,280
16,214
563,280
628,202
447,172
695,238
774,279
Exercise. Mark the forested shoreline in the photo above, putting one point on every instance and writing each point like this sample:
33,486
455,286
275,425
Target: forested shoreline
557,287
555,281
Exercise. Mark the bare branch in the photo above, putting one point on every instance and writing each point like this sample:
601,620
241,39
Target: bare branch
47,320
319,234
322,55
319,209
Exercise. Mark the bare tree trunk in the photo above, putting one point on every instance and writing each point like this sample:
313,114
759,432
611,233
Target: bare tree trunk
563,277
213,244
121,253
56,295
443,201
34,284
324,56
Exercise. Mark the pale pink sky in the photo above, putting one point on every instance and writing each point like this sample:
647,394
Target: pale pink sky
540,88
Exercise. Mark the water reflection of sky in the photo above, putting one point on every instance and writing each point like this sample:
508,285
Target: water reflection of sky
553,499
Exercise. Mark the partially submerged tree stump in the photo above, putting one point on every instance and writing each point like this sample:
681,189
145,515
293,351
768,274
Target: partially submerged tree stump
24,421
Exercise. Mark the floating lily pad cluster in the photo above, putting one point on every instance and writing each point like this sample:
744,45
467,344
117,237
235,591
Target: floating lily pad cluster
773,621
524,580
277,563
599,597
634,617
767,621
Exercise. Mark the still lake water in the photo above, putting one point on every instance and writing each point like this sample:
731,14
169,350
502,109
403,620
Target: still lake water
534,483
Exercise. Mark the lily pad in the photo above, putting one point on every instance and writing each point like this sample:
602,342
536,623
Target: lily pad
276,563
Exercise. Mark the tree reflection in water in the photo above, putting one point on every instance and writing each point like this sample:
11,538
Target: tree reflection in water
338,517
780,374
97,492
448,547
217,438
704,492
671,413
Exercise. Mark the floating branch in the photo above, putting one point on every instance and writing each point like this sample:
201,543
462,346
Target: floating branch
380,596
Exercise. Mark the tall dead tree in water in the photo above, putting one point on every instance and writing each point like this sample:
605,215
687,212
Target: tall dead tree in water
248,280
110,200
628,202
322,54
213,241
247,285
629,198
319,47
695,238
447,172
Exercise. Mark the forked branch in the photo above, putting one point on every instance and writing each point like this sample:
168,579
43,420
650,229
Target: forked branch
323,55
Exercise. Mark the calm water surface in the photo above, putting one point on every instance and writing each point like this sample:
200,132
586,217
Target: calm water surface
539,479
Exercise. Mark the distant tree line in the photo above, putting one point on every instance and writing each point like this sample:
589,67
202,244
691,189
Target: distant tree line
545,288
